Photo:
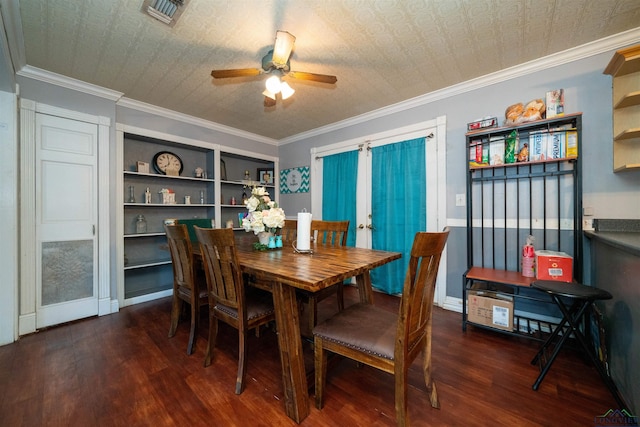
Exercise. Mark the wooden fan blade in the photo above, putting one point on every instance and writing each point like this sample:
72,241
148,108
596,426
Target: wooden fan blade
322,78
238,72
268,102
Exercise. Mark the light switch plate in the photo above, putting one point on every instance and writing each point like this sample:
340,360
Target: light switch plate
460,200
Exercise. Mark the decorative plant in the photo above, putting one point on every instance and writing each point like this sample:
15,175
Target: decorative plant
264,214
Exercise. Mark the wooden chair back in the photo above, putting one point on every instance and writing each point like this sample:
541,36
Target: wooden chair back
416,304
365,333
289,231
188,284
180,249
330,233
222,269
228,300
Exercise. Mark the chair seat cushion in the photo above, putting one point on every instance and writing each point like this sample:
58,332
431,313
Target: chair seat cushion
258,304
362,327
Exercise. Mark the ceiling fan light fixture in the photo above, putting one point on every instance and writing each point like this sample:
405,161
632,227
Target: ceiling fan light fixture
285,90
269,94
282,48
273,84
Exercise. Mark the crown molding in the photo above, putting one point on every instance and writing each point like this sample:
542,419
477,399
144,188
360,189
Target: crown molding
574,54
90,89
185,118
69,83
581,52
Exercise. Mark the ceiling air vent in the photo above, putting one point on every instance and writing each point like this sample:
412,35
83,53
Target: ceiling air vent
167,11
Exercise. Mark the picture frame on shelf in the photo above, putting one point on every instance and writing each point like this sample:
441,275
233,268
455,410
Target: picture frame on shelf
223,170
142,167
265,176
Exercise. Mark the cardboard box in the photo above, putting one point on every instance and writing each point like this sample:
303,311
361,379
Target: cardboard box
496,152
556,148
552,265
555,103
490,309
537,146
572,143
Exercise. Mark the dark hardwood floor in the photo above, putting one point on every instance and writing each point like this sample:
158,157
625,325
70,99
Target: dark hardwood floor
122,370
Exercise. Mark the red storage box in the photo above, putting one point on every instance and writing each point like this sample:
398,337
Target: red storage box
552,265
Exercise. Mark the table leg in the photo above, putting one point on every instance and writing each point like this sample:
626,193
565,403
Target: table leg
294,379
365,289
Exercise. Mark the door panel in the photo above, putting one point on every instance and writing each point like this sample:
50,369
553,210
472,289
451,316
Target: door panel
66,215
366,225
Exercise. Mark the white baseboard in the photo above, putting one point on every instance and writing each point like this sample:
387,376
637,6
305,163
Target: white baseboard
148,297
27,324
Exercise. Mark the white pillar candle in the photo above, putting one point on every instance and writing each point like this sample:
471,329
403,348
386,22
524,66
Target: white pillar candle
304,231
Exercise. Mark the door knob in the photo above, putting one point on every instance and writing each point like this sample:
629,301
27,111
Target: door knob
361,226
370,227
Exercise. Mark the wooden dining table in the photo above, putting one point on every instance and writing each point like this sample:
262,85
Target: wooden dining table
284,271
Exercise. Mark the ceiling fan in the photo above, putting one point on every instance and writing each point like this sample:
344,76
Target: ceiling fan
277,63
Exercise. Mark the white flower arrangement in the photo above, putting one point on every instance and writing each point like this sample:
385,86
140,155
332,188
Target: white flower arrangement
264,214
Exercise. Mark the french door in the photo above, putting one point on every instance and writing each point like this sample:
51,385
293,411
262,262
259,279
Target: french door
371,229
66,220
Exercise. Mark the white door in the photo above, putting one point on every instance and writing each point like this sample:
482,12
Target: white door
434,131
66,219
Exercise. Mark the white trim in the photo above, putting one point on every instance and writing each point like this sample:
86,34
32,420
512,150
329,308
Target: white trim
9,184
170,114
440,210
115,306
596,47
119,261
456,222
27,321
72,115
535,224
26,324
164,136
104,244
67,82
27,291
452,304
566,56
148,297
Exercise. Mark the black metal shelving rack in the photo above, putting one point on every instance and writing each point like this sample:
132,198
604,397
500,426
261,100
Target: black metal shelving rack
508,202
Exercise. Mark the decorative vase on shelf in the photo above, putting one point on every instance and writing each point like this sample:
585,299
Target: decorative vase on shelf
278,241
263,237
272,242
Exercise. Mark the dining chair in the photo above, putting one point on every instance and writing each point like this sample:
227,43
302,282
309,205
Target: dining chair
189,283
289,231
327,233
229,300
384,340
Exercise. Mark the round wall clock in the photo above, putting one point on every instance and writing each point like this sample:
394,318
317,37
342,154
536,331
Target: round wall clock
167,163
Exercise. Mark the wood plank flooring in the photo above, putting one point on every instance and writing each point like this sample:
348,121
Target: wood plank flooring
122,370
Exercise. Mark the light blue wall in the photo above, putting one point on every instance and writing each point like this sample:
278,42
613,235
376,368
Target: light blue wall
587,90
74,100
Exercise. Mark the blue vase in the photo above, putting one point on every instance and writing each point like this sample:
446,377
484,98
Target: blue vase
272,242
278,241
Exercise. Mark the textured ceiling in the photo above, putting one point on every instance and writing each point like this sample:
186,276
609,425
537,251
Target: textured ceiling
382,51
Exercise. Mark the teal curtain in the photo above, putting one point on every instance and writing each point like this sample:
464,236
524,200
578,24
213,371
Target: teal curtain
398,206
339,178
